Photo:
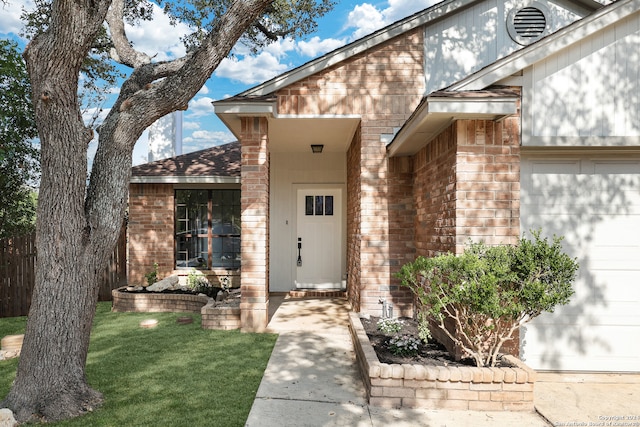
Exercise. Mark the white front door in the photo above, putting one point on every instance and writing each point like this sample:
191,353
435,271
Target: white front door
319,239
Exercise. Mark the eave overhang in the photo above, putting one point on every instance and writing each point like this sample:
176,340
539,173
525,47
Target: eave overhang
232,110
290,132
438,110
188,180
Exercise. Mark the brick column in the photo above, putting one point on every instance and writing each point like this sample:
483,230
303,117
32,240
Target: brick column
254,275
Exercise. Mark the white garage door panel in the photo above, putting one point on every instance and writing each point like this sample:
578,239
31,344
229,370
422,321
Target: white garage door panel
595,204
586,350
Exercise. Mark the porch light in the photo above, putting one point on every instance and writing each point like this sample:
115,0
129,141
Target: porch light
317,148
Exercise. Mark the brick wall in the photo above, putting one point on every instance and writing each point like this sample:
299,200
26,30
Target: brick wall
402,215
150,230
354,237
488,181
434,194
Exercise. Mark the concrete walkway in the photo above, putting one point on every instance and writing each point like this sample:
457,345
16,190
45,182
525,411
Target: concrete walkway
312,380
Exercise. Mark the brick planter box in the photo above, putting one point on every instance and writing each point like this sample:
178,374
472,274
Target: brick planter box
156,302
419,386
216,316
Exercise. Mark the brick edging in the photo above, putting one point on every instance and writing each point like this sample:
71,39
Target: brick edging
156,302
440,387
220,317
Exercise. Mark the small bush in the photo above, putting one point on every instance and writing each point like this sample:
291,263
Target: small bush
490,291
152,276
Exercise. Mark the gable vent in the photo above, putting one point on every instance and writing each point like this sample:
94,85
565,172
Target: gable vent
527,24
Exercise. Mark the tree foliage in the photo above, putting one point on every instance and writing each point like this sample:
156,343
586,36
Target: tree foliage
78,225
490,291
18,156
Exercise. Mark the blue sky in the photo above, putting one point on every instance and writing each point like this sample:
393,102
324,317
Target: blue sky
348,21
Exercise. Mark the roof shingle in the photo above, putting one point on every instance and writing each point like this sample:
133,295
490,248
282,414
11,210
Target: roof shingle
221,160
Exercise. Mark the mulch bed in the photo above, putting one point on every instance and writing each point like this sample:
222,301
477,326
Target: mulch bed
430,354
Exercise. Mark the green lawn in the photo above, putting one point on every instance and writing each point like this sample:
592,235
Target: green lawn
171,375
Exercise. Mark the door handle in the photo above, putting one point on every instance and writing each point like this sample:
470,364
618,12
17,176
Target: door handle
299,262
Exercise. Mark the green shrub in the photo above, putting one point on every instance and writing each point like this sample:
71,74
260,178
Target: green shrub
490,291
197,282
152,276
423,327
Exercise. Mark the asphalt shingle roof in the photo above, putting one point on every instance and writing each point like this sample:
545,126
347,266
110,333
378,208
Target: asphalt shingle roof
221,160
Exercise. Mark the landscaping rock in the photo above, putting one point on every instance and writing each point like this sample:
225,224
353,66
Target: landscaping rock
12,342
168,283
6,418
222,295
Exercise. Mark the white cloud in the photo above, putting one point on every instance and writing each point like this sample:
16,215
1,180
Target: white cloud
199,107
10,15
367,18
399,9
251,69
201,139
158,37
204,90
189,125
317,46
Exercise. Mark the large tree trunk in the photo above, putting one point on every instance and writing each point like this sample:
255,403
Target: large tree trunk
50,382
77,227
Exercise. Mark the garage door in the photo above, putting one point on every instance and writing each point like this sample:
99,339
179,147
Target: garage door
595,204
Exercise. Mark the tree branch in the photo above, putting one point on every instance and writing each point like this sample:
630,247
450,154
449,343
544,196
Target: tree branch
122,51
271,35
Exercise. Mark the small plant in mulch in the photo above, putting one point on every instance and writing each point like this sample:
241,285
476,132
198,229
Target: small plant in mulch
404,345
390,326
198,283
152,276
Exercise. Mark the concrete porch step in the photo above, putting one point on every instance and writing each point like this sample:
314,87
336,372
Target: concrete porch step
317,293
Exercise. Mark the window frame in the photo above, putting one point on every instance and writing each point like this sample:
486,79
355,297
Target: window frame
209,235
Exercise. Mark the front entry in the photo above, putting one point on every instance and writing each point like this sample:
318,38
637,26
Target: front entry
318,242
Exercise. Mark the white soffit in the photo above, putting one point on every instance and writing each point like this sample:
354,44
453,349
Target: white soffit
435,113
292,133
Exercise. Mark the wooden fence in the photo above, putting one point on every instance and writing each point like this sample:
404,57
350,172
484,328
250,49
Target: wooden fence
17,273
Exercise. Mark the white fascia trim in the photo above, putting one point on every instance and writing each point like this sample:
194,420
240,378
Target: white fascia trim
479,106
549,45
184,180
242,108
357,47
317,116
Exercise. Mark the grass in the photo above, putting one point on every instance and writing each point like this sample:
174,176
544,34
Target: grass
171,375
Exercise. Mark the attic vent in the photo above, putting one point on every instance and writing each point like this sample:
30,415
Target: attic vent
528,24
